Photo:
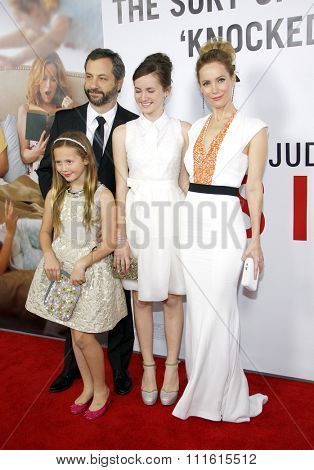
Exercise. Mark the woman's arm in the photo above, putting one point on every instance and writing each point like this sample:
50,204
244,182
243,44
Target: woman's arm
42,45
121,175
122,254
108,230
52,265
10,220
16,39
184,176
108,211
257,153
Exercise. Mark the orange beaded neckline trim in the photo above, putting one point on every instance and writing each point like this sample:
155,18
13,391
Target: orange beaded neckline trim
205,163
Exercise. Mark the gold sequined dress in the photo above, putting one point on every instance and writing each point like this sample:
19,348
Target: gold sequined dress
101,304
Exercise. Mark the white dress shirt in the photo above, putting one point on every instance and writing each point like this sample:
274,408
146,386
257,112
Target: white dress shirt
92,123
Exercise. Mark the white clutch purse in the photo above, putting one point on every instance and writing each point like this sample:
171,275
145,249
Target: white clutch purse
248,280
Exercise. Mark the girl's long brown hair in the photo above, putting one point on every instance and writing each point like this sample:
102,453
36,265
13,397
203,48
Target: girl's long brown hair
60,185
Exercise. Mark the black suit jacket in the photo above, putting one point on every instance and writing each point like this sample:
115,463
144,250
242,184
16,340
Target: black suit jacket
75,120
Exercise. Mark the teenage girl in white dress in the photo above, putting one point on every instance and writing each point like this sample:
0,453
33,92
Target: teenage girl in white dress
148,159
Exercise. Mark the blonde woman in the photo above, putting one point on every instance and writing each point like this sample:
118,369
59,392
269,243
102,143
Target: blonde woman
47,92
223,146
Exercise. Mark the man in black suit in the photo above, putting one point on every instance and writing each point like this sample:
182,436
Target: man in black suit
104,73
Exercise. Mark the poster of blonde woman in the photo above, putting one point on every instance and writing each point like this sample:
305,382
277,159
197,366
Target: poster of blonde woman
43,47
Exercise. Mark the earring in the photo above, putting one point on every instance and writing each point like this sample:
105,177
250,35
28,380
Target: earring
233,93
203,103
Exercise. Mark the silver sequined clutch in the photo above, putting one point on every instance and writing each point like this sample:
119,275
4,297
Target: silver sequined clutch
61,297
131,274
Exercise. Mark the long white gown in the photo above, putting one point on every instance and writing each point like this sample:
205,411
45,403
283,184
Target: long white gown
213,239
154,160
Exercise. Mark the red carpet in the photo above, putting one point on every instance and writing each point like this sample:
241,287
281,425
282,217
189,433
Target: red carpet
33,418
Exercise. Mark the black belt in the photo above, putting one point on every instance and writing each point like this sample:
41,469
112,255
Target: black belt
210,189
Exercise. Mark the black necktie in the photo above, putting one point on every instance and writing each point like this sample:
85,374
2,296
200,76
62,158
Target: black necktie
98,140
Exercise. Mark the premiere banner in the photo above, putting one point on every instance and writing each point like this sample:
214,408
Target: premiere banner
274,42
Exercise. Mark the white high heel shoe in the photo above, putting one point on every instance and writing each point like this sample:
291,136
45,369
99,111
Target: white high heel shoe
149,397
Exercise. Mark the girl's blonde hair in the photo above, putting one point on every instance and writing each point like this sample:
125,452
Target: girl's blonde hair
36,75
84,149
217,50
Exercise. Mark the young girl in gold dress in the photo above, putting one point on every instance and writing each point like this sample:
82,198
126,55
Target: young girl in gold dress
75,209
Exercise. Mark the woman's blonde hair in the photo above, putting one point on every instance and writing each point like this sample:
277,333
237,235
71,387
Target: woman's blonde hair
217,50
36,75
78,141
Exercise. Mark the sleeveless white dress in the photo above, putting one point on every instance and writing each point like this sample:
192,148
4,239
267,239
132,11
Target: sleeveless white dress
154,161
215,237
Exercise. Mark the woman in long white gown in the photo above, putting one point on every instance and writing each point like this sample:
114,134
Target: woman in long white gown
148,154
222,147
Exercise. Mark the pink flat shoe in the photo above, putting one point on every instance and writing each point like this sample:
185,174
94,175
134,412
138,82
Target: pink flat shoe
77,408
91,415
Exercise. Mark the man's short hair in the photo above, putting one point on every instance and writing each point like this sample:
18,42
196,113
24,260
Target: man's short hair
118,67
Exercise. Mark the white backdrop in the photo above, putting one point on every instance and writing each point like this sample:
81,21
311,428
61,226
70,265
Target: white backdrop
277,86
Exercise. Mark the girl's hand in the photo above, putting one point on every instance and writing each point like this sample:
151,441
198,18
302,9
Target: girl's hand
78,273
67,102
41,144
122,258
10,218
52,266
254,251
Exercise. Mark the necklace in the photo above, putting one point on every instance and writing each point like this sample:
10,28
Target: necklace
75,193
